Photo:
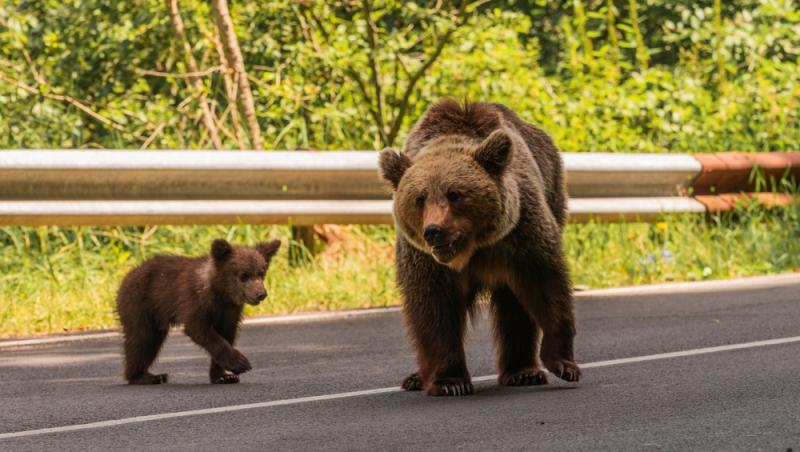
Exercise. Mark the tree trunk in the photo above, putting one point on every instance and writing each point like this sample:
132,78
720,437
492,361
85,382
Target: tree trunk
231,90
222,17
191,64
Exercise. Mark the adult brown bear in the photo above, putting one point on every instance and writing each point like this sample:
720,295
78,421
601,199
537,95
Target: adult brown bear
479,203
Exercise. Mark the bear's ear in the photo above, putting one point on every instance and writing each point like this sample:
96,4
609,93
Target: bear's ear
268,249
221,250
393,165
493,154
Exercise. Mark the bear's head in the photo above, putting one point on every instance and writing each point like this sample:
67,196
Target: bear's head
239,271
455,196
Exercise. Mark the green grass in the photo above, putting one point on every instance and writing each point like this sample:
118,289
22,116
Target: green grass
55,279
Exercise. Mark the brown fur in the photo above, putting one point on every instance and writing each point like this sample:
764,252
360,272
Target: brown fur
205,294
480,205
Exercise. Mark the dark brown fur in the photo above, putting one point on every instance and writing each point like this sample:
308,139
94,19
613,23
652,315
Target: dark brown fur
480,205
204,294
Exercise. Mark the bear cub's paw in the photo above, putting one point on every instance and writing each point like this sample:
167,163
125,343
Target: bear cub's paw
450,387
149,379
225,379
237,363
564,369
412,383
527,377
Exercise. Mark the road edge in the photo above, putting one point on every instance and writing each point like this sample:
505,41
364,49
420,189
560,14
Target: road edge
753,282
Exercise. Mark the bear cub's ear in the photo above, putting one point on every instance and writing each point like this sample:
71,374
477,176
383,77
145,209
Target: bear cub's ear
393,165
221,250
268,249
494,153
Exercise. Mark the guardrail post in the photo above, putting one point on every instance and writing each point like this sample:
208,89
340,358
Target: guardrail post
302,246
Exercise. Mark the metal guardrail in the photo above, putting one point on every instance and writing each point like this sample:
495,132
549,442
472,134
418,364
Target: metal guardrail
88,187
300,213
330,175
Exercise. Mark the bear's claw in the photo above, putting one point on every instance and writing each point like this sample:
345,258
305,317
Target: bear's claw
450,387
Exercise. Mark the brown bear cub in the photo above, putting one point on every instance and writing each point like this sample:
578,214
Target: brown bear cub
204,294
480,204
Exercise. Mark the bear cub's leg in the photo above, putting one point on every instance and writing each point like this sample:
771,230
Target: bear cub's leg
228,327
222,352
142,344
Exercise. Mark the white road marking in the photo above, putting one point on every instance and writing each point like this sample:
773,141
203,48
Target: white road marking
393,389
693,352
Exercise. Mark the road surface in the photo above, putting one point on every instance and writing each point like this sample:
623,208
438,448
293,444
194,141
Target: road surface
708,367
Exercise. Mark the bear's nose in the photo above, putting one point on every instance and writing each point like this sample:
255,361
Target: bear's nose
262,296
432,234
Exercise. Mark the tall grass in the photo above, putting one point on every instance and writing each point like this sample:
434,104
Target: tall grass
56,279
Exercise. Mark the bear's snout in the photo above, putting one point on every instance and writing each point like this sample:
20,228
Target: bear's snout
259,297
434,235
255,294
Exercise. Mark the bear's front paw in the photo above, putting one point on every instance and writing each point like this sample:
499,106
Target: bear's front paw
564,369
412,383
450,387
238,363
526,377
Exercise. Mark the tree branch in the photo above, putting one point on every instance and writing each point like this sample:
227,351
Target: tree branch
193,81
231,90
72,101
363,88
234,58
397,121
206,73
374,69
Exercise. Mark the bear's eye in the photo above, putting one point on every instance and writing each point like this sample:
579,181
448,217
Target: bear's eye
453,196
261,275
421,201
244,277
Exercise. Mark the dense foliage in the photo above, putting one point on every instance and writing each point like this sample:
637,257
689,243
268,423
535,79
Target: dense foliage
610,75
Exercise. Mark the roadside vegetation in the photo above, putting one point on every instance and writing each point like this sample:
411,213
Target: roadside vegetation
65,279
598,75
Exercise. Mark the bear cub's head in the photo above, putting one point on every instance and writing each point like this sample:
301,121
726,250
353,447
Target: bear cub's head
452,199
239,270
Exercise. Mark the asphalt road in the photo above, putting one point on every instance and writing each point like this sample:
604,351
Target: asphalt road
745,398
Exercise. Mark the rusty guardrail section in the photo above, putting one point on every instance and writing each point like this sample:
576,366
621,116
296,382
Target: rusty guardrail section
89,187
